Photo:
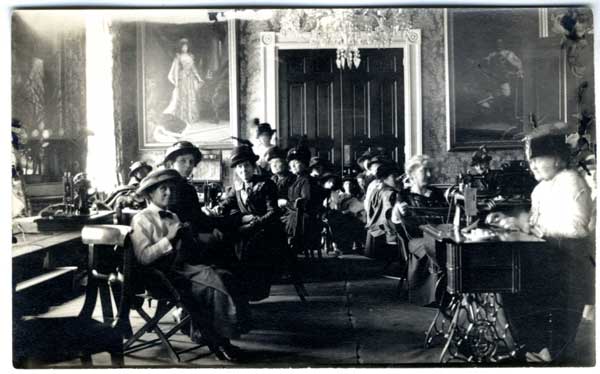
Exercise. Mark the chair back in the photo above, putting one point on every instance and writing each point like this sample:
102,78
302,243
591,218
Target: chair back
114,235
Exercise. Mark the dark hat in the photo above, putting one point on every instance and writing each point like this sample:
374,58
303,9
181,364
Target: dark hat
274,152
337,181
138,165
386,169
317,161
349,177
299,153
547,140
182,147
480,156
156,177
546,145
377,159
263,128
329,175
365,156
242,153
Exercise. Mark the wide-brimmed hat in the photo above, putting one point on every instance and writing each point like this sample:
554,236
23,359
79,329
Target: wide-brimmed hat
317,161
263,128
300,153
242,153
329,175
156,177
274,152
365,156
480,156
137,166
547,140
387,169
377,159
180,148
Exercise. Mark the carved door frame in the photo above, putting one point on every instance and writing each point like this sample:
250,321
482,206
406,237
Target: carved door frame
410,42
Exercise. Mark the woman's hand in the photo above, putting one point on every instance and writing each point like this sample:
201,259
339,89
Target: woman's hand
249,218
282,203
494,218
173,230
403,208
214,212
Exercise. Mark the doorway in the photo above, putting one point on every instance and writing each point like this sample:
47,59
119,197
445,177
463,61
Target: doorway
342,112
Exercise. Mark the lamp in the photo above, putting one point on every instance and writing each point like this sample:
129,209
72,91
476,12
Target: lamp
346,29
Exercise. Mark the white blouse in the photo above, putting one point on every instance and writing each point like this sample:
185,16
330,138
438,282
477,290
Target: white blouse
562,207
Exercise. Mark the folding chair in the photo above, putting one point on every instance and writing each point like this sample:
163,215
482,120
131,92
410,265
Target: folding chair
129,282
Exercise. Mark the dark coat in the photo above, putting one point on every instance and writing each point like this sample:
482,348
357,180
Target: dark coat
260,246
308,188
283,184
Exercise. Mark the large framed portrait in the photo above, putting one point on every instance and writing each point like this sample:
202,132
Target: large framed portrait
503,76
187,83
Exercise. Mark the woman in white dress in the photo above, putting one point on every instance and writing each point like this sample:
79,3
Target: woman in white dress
184,76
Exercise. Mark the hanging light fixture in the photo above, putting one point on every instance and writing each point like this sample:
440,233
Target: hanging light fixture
346,29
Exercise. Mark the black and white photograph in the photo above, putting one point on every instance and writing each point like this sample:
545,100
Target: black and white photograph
281,186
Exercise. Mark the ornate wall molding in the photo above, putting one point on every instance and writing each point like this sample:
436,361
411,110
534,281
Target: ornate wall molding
410,42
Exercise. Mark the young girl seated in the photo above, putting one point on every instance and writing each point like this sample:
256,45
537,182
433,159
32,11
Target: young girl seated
212,296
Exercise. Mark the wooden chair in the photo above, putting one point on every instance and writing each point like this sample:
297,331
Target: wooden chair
118,269
296,245
424,215
42,341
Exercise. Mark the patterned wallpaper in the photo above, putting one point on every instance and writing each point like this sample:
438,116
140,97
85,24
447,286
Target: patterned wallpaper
431,23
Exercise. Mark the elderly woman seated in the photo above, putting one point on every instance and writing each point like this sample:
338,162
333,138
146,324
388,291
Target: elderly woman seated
545,315
423,269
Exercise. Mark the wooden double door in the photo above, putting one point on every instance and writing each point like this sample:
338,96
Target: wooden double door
342,112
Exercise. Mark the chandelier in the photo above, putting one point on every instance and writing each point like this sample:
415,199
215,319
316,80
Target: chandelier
346,29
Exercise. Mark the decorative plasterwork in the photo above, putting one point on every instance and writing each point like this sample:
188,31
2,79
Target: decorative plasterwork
410,42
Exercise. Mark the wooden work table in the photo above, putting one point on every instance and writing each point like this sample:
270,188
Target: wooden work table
48,249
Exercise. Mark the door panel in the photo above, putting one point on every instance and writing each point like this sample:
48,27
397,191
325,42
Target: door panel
342,112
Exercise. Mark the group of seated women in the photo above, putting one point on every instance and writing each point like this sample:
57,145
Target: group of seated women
223,257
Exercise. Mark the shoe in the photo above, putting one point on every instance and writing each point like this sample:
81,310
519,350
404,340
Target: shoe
542,356
227,352
232,352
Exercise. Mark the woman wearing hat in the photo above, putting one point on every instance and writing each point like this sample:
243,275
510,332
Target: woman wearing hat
264,134
137,171
307,188
280,173
563,276
381,235
125,196
260,239
183,157
212,296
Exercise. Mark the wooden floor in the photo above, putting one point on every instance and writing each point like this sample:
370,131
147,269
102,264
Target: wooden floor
353,318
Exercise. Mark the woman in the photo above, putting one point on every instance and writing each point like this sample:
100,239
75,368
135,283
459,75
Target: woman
264,135
381,235
423,268
260,237
212,296
562,277
184,76
307,188
183,157
281,175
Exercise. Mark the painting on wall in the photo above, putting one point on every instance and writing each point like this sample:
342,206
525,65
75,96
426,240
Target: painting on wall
187,84
48,95
500,81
